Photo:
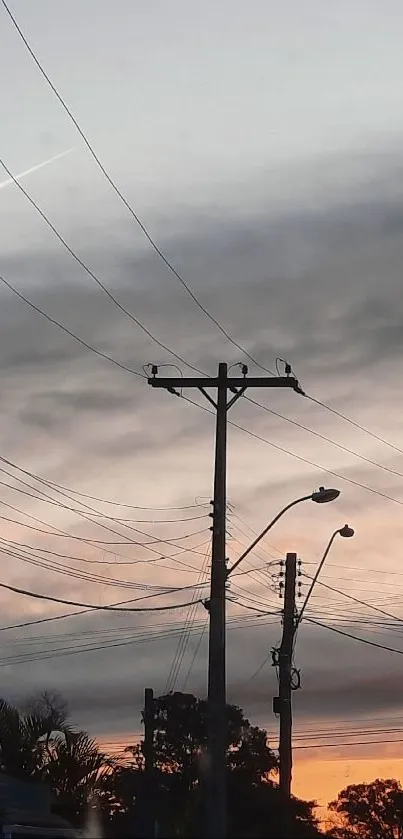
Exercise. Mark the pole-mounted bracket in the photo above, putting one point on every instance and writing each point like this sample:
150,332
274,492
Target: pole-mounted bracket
206,604
295,679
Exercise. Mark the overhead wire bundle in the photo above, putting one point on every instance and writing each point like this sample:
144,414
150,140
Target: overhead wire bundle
72,502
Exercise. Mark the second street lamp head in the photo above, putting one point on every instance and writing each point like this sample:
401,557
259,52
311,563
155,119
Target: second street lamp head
346,531
323,495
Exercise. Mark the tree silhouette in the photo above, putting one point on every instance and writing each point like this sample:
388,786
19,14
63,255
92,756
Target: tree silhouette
254,805
73,770
24,735
38,744
370,811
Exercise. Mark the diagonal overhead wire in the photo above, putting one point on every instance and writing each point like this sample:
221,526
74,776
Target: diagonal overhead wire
93,276
334,442
124,200
55,486
48,499
195,654
68,331
360,601
299,457
152,241
36,596
355,424
231,422
184,638
355,637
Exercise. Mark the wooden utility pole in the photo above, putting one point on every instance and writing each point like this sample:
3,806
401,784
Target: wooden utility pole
150,791
285,689
217,700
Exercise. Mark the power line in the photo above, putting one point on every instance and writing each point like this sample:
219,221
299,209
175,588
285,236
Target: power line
67,331
350,580
231,422
121,521
103,631
352,422
144,637
236,425
54,485
66,494
261,611
329,440
204,408
343,416
237,621
361,732
259,669
126,203
340,745
116,503
252,401
56,503
62,533
184,638
298,456
91,274
259,575
356,600
10,543
52,599
37,621
343,721
74,573
357,568
355,637
157,250
195,654
255,533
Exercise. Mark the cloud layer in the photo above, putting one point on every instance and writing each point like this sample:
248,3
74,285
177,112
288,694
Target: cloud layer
317,283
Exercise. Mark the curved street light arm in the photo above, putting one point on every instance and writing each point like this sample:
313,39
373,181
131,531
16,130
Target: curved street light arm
315,578
266,530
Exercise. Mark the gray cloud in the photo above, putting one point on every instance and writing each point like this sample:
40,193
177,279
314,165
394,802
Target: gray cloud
321,286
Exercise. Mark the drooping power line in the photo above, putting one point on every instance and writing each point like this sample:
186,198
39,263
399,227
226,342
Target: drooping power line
124,200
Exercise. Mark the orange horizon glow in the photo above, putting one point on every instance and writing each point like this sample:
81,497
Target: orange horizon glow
319,779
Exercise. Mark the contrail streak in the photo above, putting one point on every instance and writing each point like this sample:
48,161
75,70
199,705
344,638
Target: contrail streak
36,168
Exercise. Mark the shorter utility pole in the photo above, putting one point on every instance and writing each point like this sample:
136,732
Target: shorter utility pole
150,791
282,704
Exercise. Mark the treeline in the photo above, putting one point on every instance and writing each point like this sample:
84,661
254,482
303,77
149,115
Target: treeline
38,743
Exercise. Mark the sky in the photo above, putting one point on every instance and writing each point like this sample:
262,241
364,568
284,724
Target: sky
261,147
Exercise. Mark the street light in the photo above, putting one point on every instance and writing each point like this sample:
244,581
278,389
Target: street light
283,703
321,496
346,532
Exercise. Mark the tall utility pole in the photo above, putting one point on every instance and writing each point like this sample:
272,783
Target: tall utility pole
217,699
149,725
284,705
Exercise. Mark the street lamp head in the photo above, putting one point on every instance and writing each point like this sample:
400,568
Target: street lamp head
346,531
324,495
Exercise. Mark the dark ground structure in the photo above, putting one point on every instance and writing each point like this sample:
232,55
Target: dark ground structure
25,811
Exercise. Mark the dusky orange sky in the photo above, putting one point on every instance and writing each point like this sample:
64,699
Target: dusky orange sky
322,779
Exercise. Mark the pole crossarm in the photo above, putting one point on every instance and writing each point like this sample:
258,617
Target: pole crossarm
242,382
